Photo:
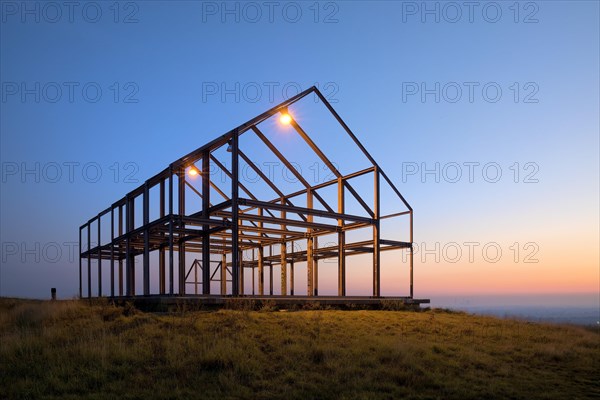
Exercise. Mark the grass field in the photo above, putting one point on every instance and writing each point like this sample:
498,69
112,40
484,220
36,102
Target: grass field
71,349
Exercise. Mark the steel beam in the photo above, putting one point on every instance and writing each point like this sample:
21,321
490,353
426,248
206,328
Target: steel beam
316,266
99,260
326,184
341,242
292,276
80,265
235,261
206,236
411,254
253,278
112,252
120,259
89,259
241,261
376,238
181,245
161,250
223,274
280,221
283,263
271,279
261,272
309,249
129,260
304,210
171,222
146,216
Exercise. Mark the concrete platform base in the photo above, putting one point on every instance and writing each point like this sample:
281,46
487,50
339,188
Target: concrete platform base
169,303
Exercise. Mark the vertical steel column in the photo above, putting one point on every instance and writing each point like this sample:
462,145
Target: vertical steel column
146,216
271,278
252,267
80,265
411,254
171,261
309,247
120,258
283,256
161,250
131,228
133,285
261,272
283,270
341,241
181,212
316,266
112,252
129,257
376,237
195,265
292,276
89,260
223,274
241,262
235,261
205,236
99,260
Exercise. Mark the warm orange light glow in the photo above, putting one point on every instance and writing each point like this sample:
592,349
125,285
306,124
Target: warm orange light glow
285,119
193,171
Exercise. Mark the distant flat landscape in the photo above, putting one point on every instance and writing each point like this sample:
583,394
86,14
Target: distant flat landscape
579,309
560,315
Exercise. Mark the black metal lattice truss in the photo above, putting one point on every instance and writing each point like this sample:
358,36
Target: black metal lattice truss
219,234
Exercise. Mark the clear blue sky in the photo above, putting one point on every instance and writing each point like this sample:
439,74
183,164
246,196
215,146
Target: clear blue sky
159,72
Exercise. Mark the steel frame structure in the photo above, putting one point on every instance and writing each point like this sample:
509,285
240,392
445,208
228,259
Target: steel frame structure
219,233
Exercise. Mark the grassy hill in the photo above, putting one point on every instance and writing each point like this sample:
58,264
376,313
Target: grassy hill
71,349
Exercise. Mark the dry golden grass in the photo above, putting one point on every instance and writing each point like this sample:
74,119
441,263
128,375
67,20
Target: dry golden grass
71,349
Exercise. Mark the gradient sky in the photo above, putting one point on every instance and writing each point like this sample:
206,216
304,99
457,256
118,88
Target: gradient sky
162,67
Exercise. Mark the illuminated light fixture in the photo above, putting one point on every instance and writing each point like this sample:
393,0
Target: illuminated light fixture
285,118
229,148
193,171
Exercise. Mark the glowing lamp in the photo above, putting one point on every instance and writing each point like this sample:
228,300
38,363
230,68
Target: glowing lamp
285,119
193,171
